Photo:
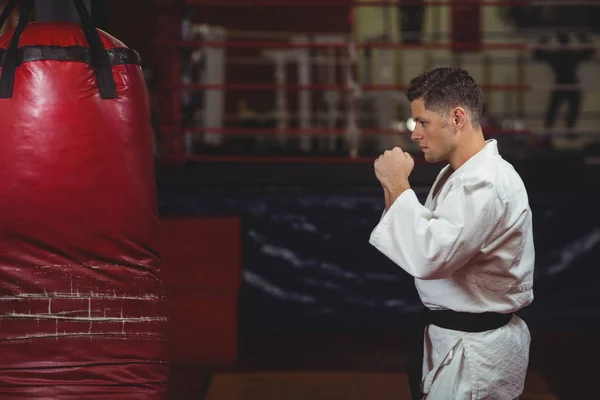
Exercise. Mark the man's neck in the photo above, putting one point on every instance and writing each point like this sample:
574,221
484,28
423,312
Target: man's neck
472,143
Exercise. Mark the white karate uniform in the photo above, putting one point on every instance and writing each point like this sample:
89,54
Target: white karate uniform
470,248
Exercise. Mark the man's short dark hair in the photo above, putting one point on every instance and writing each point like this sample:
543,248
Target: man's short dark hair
445,88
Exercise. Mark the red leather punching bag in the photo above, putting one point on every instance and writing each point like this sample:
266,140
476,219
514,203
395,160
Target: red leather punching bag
82,309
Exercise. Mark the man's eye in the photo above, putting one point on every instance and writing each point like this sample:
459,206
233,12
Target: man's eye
423,123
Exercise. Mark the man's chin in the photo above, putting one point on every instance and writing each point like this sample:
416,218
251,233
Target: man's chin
431,159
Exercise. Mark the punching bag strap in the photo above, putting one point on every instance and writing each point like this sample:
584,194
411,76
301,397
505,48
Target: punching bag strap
7,11
9,66
99,56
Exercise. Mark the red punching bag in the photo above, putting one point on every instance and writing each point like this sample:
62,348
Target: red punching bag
82,309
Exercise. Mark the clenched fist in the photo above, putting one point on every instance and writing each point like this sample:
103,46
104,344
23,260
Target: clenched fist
392,169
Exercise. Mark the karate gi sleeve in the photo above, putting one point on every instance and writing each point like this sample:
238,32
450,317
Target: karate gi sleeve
434,244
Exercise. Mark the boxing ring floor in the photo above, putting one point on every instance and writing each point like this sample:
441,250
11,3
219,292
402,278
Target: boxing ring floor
331,385
341,366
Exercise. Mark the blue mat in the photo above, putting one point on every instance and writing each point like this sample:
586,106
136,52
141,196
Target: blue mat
308,266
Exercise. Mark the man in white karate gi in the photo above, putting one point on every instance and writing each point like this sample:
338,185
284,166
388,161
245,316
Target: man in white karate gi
469,248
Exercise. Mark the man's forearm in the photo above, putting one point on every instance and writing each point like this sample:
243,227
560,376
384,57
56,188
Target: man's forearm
392,194
386,195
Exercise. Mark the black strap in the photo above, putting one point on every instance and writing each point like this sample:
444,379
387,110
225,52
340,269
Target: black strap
99,56
10,6
100,60
9,66
466,322
116,56
447,319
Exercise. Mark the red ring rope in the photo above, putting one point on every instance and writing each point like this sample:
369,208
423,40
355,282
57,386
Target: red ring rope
366,3
280,159
381,45
314,87
306,131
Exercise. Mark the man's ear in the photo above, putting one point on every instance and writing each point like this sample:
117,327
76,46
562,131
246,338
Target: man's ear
459,117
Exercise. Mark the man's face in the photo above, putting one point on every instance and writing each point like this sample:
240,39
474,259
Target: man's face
434,133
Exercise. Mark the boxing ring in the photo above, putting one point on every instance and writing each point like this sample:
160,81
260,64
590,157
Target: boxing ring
283,95
228,87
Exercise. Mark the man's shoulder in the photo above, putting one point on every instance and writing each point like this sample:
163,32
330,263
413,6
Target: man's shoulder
497,175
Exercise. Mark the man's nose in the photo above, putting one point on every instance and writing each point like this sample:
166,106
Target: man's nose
415,135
